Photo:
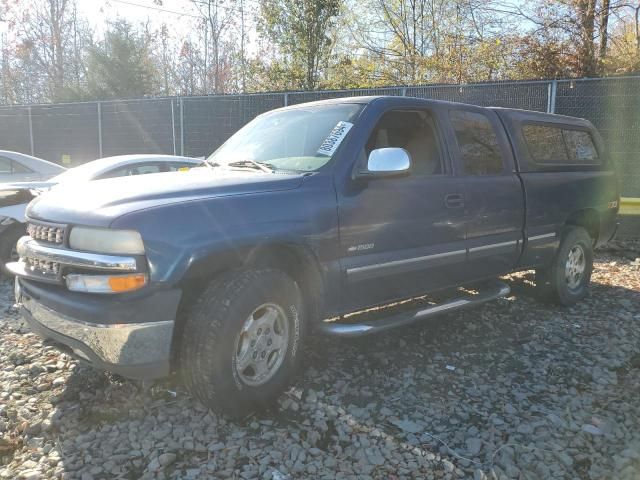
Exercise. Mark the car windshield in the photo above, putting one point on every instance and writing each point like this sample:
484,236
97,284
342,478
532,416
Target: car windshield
301,139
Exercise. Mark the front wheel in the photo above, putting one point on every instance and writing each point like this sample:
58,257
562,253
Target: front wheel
567,280
241,343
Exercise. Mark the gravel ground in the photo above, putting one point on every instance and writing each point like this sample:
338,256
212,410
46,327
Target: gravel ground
514,389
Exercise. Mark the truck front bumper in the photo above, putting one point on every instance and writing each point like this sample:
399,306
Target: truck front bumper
132,348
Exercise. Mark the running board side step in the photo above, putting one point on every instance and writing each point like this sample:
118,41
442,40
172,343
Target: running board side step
486,292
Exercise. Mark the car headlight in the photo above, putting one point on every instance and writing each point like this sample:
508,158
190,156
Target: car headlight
106,240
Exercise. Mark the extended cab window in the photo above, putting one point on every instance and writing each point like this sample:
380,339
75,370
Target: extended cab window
415,132
556,145
478,143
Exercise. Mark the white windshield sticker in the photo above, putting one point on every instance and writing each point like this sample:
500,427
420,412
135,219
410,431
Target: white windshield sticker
332,142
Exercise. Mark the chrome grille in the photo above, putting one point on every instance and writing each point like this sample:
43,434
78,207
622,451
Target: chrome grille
46,233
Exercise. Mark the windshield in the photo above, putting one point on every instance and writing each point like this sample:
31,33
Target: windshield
301,139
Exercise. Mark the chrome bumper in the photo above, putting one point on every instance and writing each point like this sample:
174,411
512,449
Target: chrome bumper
138,350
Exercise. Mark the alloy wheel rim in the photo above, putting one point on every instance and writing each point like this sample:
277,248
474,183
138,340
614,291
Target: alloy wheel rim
262,344
575,267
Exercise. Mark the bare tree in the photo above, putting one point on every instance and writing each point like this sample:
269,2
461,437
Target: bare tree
218,16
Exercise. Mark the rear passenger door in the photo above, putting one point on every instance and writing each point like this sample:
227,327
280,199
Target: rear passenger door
494,202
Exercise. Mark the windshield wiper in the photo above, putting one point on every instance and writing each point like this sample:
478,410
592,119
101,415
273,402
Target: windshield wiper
248,163
211,164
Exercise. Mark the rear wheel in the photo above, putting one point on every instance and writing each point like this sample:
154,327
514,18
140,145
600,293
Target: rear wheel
241,344
567,280
8,250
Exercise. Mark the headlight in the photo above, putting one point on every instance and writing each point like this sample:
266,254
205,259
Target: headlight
105,240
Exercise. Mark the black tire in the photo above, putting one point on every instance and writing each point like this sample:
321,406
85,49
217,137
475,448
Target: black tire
553,283
208,347
8,242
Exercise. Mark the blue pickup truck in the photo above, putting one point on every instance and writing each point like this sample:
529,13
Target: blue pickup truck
306,214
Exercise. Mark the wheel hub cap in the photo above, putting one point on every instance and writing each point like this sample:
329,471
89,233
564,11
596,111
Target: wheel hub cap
262,344
575,266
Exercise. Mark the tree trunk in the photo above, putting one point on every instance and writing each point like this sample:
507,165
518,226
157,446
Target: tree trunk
57,11
586,51
637,18
604,24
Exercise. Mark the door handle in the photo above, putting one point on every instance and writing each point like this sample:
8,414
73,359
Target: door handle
454,200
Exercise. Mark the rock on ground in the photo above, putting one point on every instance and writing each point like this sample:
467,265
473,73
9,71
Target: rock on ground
515,389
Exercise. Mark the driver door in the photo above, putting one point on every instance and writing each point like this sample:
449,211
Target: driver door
402,236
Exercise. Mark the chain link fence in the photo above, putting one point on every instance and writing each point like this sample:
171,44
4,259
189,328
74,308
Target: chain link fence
74,133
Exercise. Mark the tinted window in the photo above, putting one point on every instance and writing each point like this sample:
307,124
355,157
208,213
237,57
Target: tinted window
580,146
478,143
556,145
413,131
5,165
545,144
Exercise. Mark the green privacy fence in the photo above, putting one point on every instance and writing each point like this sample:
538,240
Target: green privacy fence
74,133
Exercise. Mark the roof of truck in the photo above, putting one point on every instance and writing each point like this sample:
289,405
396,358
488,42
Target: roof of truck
512,113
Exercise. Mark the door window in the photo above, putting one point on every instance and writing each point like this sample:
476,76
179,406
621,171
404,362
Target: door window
478,143
415,132
144,169
19,168
5,166
129,170
180,166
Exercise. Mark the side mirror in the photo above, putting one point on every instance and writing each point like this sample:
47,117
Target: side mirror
387,162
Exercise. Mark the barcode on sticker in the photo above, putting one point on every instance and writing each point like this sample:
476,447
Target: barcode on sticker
332,142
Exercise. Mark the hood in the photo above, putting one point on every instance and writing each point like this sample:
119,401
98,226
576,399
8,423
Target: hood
100,202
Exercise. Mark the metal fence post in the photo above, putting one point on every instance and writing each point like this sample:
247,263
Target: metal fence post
404,91
99,129
173,127
286,99
31,144
551,96
181,126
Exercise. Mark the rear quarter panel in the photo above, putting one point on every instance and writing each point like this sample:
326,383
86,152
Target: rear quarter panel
552,197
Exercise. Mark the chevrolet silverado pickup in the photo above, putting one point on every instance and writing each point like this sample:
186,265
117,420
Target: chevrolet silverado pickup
307,214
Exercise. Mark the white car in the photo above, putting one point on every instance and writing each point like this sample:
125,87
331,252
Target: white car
14,197
18,167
